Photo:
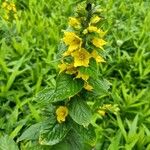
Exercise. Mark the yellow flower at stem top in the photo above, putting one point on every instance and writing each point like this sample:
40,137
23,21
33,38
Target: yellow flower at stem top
97,57
85,77
74,22
81,57
72,40
99,42
61,113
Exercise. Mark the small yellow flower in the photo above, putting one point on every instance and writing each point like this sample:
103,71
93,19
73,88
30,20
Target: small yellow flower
85,77
71,39
4,4
81,58
61,113
66,53
98,42
93,29
85,31
74,22
62,67
9,7
12,5
14,9
97,57
107,106
68,68
88,87
95,19
102,112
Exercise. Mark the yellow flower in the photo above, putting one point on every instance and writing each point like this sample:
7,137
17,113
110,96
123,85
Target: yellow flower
9,7
74,22
67,53
71,39
98,42
102,112
85,77
97,57
94,29
12,5
81,57
4,4
85,31
88,87
95,19
61,113
69,68
62,67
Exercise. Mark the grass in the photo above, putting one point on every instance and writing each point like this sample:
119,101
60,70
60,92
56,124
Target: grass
28,63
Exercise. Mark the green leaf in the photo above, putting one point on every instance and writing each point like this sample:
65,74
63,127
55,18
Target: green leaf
101,86
115,141
31,133
72,142
53,135
87,134
80,111
66,86
6,143
44,96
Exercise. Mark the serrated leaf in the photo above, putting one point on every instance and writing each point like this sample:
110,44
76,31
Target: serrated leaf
66,87
101,86
80,111
44,96
87,134
53,135
72,142
6,143
31,133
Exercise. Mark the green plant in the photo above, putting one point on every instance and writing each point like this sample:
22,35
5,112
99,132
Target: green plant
66,105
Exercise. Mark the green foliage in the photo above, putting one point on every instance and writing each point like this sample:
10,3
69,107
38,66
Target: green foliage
7,143
54,135
80,111
32,133
65,87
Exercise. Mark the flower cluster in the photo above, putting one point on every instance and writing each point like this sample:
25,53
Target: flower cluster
108,108
83,44
10,10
